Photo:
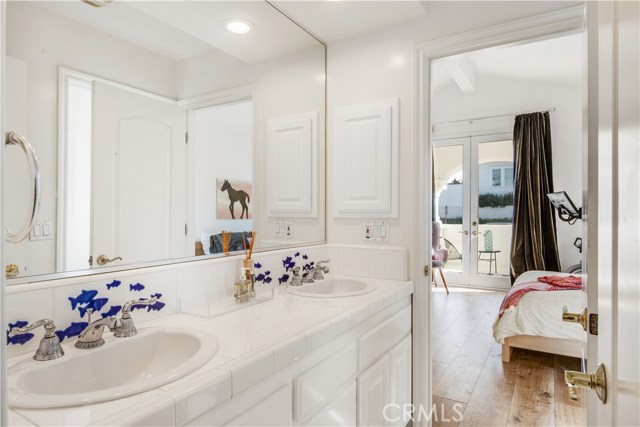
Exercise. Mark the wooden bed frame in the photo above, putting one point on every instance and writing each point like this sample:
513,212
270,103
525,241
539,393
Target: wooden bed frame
560,346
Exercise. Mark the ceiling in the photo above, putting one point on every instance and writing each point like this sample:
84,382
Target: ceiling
553,61
183,29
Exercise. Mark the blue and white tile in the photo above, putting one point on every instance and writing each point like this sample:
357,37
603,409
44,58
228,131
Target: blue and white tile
27,307
146,285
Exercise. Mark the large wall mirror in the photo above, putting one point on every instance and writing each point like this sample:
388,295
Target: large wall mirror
157,126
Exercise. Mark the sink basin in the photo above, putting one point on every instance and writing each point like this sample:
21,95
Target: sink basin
122,367
332,288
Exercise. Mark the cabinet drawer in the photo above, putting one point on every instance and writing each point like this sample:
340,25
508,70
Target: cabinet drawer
383,337
316,386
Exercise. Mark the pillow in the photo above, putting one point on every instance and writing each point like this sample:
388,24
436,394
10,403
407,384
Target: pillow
235,243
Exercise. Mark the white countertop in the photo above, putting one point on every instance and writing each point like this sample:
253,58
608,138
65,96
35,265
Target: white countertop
255,342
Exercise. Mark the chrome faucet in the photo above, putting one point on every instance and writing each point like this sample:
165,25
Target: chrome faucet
296,280
49,347
91,337
127,328
317,272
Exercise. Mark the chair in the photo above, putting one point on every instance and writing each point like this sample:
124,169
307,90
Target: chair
454,253
439,256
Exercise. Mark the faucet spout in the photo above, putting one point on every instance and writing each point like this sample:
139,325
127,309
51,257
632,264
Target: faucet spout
91,337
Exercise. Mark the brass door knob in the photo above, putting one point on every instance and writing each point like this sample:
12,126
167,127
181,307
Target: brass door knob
103,260
466,233
596,381
580,318
11,271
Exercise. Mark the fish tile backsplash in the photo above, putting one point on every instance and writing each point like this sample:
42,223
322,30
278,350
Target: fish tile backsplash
67,302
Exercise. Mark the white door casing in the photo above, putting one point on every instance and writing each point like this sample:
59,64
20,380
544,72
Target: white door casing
139,148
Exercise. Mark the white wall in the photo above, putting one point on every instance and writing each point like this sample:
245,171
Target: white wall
45,41
381,65
499,96
222,141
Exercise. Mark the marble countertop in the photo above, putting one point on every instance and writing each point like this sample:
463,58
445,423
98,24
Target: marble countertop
255,342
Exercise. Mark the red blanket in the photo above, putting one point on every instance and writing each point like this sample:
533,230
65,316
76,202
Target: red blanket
544,283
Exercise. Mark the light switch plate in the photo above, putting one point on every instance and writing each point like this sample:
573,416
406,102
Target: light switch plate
41,231
284,228
375,231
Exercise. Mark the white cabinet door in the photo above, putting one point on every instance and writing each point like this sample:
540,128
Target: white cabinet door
373,394
139,176
400,383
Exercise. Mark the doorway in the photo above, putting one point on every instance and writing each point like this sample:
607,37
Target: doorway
469,187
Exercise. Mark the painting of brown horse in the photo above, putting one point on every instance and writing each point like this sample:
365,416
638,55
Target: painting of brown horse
235,195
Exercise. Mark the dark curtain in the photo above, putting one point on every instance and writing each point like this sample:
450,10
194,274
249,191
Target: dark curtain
534,241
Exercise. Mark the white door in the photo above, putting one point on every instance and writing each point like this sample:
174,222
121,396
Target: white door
472,199
373,394
614,210
139,176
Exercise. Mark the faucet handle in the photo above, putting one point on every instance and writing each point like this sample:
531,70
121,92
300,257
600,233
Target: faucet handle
126,309
49,347
127,328
323,267
49,328
295,271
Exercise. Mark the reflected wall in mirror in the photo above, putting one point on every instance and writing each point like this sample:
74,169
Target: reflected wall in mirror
138,111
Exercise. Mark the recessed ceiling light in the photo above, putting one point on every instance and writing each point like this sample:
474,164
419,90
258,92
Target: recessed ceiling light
238,26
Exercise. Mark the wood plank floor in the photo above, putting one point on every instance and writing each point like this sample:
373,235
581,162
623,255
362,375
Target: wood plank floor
471,385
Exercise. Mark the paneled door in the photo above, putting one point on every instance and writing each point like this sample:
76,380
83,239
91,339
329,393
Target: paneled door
138,149
473,201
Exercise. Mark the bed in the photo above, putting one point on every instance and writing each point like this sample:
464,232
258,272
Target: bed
536,322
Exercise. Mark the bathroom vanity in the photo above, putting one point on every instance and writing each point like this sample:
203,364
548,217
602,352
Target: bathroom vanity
293,360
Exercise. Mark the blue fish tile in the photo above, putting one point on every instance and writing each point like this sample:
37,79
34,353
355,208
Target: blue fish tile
84,298
137,287
156,295
115,309
257,265
283,279
96,305
20,339
114,284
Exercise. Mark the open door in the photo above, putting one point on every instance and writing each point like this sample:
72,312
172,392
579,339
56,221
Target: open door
614,211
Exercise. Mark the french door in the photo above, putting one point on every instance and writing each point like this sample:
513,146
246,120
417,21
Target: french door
473,202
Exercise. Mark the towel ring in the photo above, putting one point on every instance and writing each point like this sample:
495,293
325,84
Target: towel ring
14,138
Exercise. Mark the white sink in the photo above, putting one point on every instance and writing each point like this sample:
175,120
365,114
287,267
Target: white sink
332,288
122,367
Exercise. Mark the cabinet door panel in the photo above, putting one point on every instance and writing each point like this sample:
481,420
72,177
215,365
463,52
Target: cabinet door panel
373,394
400,383
339,412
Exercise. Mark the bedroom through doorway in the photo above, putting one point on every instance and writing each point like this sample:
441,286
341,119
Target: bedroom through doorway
475,99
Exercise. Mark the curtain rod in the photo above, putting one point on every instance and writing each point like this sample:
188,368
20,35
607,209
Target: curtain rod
550,110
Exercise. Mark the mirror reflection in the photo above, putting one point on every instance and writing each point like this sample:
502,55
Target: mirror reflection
152,143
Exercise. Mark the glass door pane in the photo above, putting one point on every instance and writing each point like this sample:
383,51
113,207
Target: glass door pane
492,208
450,204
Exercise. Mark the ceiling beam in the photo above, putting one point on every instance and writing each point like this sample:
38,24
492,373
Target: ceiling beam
462,72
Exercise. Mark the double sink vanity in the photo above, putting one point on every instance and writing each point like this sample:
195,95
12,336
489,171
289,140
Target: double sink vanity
333,352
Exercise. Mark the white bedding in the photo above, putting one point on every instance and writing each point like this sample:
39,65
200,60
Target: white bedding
540,312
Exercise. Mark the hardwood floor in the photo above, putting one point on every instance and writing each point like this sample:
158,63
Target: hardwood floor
471,385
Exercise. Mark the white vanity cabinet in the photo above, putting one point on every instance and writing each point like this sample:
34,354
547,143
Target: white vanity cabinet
384,390
348,381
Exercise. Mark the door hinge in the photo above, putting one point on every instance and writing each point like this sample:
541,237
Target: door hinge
593,323
426,270
186,137
90,260
186,229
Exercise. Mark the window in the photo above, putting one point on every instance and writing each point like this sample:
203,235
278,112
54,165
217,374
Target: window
501,177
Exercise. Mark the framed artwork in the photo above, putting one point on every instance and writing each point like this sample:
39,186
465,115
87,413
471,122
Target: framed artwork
233,199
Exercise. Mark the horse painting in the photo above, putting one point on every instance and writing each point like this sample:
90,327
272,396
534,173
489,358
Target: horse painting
236,196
